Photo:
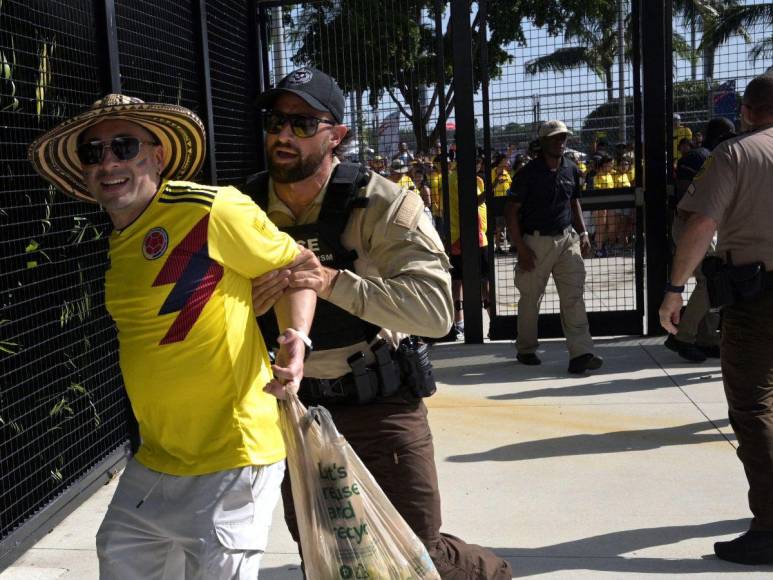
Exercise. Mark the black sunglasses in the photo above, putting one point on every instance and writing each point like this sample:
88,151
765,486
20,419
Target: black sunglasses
124,149
301,125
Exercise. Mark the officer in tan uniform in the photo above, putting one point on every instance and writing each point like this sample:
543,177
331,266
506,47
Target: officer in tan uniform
380,271
543,204
733,195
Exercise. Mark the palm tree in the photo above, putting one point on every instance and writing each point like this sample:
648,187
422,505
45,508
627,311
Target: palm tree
596,39
596,49
703,16
735,20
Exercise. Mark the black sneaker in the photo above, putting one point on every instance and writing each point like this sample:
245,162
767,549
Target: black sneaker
753,548
710,350
687,351
585,362
528,358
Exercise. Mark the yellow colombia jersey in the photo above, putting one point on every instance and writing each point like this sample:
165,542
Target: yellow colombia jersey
406,182
435,180
501,187
453,200
192,357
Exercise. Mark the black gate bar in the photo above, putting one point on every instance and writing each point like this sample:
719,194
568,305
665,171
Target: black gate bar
465,167
657,67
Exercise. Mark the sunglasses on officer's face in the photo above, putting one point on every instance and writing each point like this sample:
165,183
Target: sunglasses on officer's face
123,148
302,126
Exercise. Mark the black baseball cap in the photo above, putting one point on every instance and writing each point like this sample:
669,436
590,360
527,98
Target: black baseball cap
313,86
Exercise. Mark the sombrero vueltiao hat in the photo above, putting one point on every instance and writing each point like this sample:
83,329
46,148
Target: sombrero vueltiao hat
179,131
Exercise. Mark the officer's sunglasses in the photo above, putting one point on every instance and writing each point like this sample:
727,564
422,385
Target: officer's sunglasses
301,125
124,149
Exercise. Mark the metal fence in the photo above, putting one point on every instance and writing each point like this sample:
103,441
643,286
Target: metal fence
395,63
582,74
63,421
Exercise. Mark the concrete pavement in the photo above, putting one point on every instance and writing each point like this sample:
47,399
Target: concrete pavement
627,472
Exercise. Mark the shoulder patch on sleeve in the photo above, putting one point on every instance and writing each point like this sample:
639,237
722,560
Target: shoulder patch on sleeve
407,215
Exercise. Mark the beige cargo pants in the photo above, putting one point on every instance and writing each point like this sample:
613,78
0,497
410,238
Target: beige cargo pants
558,255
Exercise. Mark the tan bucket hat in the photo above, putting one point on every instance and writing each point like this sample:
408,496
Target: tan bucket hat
179,131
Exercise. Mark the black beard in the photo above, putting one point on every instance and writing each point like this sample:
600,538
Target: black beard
302,168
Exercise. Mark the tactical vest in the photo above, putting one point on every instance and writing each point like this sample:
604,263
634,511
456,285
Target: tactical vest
333,327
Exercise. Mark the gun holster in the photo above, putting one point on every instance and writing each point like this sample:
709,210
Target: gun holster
728,284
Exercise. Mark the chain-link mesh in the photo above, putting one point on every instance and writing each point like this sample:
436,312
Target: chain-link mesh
581,74
232,72
159,53
61,408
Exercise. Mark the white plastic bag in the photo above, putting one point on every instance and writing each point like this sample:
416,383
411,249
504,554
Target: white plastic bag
348,527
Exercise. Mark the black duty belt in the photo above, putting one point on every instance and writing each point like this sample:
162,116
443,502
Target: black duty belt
367,387
556,232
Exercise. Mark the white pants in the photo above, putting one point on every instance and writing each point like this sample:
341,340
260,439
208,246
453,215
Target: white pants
217,524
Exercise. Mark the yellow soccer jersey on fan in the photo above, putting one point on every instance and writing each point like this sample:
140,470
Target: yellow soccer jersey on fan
453,200
192,357
407,183
435,181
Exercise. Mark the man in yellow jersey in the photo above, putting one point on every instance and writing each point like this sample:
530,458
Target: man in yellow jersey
207,474
381,274
398,173
680,132
435,182
457,264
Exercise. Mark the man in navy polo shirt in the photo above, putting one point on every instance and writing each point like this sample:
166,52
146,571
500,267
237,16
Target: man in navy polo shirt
542,207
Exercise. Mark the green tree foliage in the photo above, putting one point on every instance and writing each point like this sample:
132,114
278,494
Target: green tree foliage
391,49
734,20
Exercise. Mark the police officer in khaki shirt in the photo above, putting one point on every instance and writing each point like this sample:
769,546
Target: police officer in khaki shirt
543,204
380,271
733,195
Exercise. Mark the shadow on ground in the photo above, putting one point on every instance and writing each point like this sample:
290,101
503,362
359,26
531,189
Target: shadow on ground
606,387
600,443
616,552
612,552
490,363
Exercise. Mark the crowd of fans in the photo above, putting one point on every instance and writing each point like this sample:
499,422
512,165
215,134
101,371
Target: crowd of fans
602,167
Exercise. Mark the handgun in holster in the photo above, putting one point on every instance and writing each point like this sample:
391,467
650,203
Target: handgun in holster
728,284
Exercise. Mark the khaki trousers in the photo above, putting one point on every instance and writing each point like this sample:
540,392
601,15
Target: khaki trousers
558,255
698,324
